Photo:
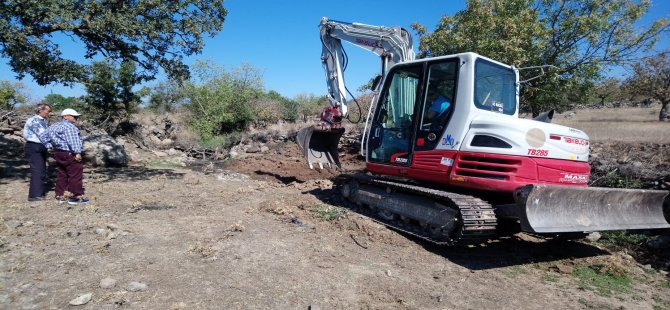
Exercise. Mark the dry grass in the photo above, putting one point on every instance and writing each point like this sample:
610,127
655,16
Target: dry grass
618,124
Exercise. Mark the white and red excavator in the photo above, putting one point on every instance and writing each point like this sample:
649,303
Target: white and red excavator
449,158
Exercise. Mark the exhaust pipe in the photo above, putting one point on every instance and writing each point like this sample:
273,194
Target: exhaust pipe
545,117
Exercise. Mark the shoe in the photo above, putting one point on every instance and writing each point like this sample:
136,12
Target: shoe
74,201
60,199
35,198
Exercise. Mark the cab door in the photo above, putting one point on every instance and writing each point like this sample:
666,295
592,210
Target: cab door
392,129
439,100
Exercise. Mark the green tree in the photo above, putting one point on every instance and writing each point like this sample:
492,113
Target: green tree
310,104
58,102
153,34
651,78
289,108
607,89
127,79
110,96
221,101
166,96
578,37
12,94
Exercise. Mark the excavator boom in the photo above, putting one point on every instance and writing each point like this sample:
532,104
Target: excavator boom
391,44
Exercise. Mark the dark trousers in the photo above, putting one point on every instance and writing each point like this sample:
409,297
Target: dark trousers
70,174
36,154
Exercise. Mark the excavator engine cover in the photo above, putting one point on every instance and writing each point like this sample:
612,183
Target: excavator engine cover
553,209
320,145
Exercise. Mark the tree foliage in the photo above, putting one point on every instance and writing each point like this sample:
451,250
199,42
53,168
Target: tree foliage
110,97
310,104
607,89
166,96
220,100
223,102
59,102
651,78
12,94
153,34
289,109
578,37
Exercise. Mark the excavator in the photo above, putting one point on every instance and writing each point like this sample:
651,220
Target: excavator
448,157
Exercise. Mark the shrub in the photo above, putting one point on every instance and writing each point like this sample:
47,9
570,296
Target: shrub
221,101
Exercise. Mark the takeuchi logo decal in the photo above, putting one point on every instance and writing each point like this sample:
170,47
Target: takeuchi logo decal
366,42
576,141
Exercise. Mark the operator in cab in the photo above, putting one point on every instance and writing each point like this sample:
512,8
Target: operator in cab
438,103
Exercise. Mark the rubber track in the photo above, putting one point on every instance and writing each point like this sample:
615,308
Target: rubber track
477,216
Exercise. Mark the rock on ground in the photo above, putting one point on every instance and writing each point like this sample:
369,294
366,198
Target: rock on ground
101,150
81,300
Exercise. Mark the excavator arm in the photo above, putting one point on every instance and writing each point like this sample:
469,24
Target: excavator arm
391,44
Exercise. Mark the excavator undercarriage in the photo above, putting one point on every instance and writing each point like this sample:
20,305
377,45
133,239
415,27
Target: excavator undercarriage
435,215
448,218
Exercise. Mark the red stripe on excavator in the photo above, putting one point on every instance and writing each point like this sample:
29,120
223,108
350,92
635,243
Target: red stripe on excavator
485,171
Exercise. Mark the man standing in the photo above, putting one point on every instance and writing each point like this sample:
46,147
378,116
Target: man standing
36,153
66,141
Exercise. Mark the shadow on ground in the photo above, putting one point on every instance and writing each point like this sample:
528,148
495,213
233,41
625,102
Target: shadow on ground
503,251
12,162
132,173
284,180
512,251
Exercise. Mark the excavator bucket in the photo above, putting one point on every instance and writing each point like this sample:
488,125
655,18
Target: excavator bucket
556,209
319,146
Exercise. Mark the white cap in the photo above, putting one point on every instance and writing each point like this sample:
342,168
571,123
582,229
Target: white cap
69,111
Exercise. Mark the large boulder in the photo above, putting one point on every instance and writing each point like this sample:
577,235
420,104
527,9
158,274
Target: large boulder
102,150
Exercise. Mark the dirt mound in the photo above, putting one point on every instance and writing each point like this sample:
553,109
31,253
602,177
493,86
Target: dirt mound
632,165
283,163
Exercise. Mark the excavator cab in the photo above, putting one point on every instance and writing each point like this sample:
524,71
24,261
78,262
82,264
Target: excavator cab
415,106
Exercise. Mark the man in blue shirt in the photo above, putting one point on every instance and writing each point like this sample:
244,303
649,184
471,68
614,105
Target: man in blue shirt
438,105
36,153
65,139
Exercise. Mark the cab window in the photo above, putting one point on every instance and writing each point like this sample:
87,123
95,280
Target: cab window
495,87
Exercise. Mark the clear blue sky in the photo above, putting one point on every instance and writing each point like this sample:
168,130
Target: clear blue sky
281,38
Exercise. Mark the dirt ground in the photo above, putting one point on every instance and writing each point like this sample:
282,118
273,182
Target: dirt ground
265,232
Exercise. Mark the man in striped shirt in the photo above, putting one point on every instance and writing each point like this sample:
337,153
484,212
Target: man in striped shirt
36,153
65,139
